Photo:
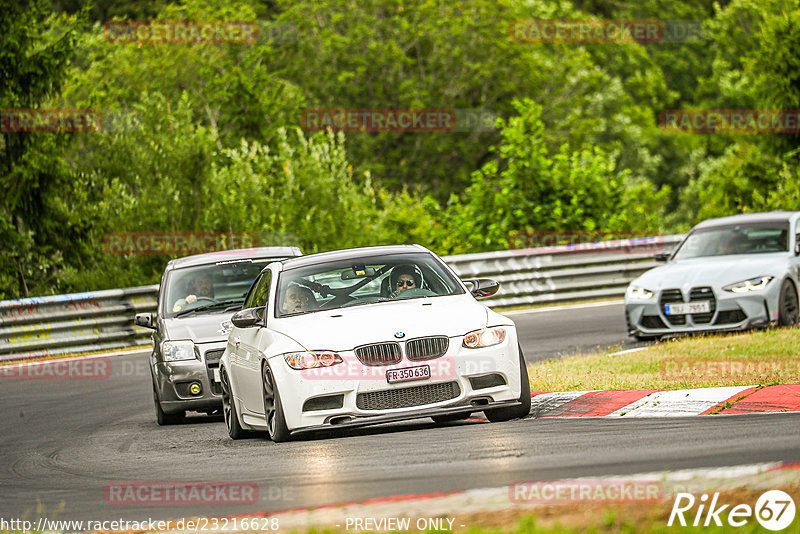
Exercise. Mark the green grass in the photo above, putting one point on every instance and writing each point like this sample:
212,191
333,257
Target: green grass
757,358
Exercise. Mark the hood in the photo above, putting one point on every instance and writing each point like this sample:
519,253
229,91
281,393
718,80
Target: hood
205,328
347,328
711,271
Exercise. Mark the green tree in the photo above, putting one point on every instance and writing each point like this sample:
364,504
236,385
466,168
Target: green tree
755,66
231,86
169,174
35,185
528,189
154,182
432,54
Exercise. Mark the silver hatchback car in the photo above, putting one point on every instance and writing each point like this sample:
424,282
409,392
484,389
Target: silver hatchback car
196,299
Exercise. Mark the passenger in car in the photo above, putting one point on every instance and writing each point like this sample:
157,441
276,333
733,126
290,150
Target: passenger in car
298,299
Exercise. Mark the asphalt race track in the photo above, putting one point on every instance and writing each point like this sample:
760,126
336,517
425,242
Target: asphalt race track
64,440
573,330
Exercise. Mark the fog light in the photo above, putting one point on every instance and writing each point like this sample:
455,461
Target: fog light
195,388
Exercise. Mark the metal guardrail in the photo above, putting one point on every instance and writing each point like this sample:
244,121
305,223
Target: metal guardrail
101,320
79,322
565,273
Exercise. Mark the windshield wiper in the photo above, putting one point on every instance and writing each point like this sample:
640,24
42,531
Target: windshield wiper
232,304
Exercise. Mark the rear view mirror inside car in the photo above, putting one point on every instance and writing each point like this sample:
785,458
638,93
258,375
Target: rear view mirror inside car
358,271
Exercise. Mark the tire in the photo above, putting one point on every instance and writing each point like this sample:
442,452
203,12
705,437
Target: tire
235,430
788,305
515,412
273,408
166,419
450,418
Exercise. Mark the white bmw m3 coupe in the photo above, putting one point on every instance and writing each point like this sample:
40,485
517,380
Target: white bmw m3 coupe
367,336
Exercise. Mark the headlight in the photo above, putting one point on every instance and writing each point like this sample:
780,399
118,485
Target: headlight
754,284
484,338
173,351
638,293
312,359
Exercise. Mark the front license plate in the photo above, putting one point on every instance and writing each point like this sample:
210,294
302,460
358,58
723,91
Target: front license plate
216,375
702,306
422,372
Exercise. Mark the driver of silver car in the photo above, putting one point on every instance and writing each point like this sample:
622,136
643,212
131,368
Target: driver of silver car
200,286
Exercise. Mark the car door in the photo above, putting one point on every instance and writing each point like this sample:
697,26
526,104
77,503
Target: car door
246,343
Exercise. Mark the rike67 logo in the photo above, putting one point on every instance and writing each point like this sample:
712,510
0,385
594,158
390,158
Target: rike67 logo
774,510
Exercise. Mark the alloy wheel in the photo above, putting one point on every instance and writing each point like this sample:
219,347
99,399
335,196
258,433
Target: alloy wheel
226,400
790,308
268,388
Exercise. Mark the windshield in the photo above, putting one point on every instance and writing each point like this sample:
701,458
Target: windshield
358,281
756,238
210,287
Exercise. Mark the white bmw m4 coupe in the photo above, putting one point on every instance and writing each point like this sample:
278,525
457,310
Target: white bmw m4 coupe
366,336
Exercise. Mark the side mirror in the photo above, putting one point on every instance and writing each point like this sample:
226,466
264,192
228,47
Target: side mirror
483,287
247,318
145,320
662,256
797,248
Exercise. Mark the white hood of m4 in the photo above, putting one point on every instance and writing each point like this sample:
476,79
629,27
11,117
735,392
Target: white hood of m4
346,328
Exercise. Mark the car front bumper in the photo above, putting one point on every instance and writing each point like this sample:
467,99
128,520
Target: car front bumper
462,381
733,312
419,414
172,380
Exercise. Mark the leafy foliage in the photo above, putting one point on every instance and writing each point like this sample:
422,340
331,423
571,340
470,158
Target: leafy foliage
755,66
35,49
527,189
206,137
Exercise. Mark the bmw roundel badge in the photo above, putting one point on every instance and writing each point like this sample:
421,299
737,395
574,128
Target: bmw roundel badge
399,334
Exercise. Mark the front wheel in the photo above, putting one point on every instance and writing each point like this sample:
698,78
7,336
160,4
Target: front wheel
163,418
235,430
787,305
515,412
273,408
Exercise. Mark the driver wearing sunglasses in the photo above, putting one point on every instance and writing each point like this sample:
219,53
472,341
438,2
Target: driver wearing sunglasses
404,277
